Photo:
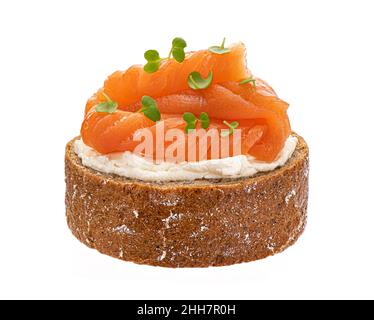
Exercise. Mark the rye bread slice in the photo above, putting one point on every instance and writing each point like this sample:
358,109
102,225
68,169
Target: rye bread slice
188,224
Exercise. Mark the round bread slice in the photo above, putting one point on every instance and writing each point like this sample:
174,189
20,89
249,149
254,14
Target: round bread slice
188,224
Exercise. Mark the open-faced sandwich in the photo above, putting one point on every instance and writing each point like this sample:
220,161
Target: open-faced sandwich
187,161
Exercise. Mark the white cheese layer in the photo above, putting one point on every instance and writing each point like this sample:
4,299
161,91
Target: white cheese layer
132,166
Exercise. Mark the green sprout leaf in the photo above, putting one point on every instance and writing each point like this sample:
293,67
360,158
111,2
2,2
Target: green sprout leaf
179,43
107,106
232,126
204,120
153,61
220,49
152,55
151,67
248,80
189,117
177,49
191,120
178,54
150,109
197,82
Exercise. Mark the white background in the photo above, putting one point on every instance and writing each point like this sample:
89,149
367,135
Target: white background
318,55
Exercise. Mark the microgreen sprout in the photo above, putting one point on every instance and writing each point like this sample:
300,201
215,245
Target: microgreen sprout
220,49
154,60
232,126
249,80
197,82
177,49
191,121
150,109
107,106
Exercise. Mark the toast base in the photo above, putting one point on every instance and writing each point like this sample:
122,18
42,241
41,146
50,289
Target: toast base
188,224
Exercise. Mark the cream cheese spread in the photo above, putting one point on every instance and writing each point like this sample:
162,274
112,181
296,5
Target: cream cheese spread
132,166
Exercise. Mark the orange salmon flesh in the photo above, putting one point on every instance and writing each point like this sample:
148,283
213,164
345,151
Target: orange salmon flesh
262,116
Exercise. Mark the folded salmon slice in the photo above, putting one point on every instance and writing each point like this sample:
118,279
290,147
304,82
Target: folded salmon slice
115,133
261,114
128,87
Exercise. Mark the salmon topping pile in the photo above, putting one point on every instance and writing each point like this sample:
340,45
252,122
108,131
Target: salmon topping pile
260,115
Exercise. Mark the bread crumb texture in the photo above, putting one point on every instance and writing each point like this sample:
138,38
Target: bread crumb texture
188,224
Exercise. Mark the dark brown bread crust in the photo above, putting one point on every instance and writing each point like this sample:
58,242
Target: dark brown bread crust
196,224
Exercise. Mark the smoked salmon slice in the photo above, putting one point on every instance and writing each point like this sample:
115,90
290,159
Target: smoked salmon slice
128,87
262,116
115,133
